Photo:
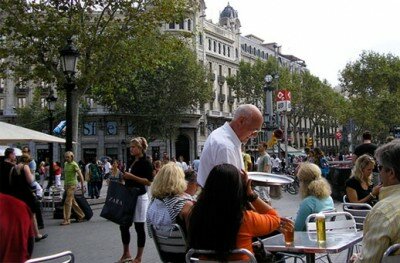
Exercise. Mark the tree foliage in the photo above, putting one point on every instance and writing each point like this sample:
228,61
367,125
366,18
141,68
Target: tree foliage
311,98
113,37
372,84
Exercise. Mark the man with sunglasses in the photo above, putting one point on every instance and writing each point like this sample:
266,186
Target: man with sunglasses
381,227
224,144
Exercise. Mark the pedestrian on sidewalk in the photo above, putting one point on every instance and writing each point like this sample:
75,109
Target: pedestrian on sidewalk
139,175
71,169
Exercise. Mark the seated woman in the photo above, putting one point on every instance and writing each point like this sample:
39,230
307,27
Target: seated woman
219,219
169,204
359,187
316,194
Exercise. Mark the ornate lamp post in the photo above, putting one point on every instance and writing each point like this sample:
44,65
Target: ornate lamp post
51,106
69,58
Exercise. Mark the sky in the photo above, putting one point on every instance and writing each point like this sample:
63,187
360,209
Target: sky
326,34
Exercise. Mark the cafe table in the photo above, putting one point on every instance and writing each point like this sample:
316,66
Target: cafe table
306,243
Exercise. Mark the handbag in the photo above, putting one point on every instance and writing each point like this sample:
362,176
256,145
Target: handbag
260,254
120,204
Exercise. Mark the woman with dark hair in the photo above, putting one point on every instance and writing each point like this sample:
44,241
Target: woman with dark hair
220,219
138,176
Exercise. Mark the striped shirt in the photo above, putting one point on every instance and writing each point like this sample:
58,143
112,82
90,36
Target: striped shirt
162,213
382,225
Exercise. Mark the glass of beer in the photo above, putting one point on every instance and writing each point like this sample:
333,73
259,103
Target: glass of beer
321,231
288,231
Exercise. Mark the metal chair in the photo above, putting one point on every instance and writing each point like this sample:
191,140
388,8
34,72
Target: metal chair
171,244
335,221
388,256
359,212
69,254
190,255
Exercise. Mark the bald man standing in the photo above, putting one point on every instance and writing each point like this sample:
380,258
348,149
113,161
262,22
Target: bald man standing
224,144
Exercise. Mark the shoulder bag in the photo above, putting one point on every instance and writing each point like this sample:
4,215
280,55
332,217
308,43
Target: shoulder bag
120,204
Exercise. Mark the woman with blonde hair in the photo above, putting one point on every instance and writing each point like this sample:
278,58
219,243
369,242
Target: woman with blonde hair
316,194
359,187
169,204
139,175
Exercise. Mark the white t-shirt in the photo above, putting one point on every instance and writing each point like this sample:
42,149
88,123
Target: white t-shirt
276,162
222,146
107,167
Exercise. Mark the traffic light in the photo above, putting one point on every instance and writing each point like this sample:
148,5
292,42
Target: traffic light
310,142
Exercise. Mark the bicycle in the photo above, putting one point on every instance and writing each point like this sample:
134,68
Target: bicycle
292,188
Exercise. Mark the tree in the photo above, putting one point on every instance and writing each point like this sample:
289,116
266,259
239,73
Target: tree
104,31
159,97
372,84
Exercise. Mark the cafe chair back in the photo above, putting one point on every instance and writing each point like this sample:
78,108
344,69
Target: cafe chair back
389,255
192,255
359,212
335,221
170,243
66,255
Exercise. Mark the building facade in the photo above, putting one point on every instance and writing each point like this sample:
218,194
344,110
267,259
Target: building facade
219,47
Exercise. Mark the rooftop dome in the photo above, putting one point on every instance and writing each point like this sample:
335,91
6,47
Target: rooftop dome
228,12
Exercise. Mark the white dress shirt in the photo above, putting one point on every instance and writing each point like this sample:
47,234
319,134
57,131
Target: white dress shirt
222,146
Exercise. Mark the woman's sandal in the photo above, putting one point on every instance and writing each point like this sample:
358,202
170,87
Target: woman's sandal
65,223
125,260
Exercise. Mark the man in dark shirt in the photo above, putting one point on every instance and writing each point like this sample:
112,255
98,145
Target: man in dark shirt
367,147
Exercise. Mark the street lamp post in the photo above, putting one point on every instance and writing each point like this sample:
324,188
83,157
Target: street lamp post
51,105
69,58
268,107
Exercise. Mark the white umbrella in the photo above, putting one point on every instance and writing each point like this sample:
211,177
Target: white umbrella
3,148
12,133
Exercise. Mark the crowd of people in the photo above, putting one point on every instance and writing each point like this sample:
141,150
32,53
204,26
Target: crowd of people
212,199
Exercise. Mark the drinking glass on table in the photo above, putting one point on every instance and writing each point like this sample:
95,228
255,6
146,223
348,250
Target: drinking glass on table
287,229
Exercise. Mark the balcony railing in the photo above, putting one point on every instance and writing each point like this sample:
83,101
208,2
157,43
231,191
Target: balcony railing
231,99
211,77
20,90
221,98
221,80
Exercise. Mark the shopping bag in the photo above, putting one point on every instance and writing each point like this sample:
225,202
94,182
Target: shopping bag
120,204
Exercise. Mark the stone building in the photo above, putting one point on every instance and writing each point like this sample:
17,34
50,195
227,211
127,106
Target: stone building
219,46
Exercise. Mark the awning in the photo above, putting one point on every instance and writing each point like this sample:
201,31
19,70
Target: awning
291,150
13,134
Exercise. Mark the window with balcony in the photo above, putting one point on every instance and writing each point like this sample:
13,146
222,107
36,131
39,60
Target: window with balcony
209,44
229,51
171,25
215,46
181,25
219,48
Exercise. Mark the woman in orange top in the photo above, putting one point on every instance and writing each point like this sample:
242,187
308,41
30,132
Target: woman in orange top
221,220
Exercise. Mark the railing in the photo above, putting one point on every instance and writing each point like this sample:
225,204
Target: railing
221,80
221,98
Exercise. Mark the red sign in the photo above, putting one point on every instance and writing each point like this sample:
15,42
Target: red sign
283,95
338,135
